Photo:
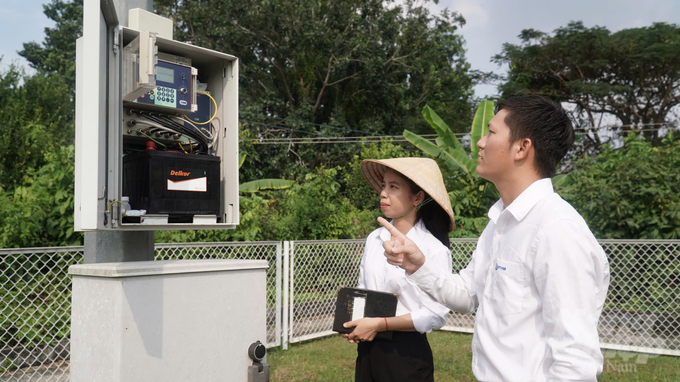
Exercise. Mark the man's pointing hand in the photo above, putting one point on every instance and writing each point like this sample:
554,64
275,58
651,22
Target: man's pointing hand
400,250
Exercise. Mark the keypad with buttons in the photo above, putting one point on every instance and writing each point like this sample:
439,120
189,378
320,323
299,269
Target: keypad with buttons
164,96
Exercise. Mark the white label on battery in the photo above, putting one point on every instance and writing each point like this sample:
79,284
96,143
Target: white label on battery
198,185
358,308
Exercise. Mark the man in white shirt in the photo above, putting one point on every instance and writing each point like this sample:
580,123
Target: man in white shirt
538,278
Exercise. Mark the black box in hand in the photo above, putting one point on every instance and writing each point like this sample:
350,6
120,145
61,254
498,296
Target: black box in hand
355,303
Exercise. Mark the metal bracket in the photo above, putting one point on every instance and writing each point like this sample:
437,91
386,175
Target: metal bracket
116,40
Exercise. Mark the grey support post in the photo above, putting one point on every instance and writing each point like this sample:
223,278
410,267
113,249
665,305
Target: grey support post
120,246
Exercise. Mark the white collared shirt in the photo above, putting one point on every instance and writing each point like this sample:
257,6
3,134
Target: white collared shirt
376,274
538,279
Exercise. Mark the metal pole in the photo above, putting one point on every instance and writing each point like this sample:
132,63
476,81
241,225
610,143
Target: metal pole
277,342
286,272
120,246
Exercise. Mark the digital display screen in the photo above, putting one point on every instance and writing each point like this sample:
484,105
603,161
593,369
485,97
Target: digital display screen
165,74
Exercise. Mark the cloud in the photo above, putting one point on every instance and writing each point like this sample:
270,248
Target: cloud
473,11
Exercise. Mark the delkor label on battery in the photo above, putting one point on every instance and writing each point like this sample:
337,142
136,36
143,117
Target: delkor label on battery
196,185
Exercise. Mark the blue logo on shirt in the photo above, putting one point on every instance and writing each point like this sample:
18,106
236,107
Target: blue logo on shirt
499,267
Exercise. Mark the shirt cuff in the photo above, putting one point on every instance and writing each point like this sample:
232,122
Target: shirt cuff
423,320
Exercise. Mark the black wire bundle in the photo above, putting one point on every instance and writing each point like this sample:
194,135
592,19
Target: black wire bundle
173,124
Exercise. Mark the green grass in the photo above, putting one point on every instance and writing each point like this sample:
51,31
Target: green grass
331,359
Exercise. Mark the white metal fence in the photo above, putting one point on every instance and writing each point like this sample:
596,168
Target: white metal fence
642,311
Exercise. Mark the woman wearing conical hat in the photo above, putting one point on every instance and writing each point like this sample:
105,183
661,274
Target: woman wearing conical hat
412,193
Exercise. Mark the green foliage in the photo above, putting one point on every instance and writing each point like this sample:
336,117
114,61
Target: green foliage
470,195
7,365
632,75
37,133
650,284
363,65
36,116
57,54
316,210
40,213
35,295
262,184
629,193
448,147
480,126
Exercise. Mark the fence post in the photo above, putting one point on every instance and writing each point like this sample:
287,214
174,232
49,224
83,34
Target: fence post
286,272
291,305
278,334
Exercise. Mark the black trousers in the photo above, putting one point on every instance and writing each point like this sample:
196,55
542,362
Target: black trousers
405,358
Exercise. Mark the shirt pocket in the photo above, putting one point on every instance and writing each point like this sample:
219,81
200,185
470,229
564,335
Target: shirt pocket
508,287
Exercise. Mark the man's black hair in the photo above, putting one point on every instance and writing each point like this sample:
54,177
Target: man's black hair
546,123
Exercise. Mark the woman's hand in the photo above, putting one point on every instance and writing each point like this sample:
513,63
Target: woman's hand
365,329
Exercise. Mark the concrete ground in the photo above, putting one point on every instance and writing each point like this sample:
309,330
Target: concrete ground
57,372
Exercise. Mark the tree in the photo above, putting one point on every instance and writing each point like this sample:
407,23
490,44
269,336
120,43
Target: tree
470,194
36,133
37,111
632,75
57,54
40,212
36,117
362,65
629,193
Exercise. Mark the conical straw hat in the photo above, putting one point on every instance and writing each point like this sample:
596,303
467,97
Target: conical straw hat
422,171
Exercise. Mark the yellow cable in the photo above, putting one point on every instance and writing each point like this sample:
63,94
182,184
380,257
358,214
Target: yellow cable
182,147
211,118
117,201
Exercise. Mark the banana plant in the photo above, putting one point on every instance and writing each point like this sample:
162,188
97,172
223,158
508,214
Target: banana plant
470,195
448,148
262,184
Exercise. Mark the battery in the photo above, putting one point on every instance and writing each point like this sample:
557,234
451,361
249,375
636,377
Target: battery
172,183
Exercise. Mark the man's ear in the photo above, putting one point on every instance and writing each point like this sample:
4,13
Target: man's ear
522,148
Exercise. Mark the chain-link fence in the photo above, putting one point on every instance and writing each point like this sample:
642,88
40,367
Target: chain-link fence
321,267
35,289
256,250
318,269
461,252
642,310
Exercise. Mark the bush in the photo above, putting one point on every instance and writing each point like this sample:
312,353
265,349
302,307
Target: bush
629,193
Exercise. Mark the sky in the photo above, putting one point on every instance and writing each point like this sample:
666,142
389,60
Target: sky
489,23
20,21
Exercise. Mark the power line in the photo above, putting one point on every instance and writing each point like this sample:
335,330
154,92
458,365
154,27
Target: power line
312,123
326,139
364,140
289,129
